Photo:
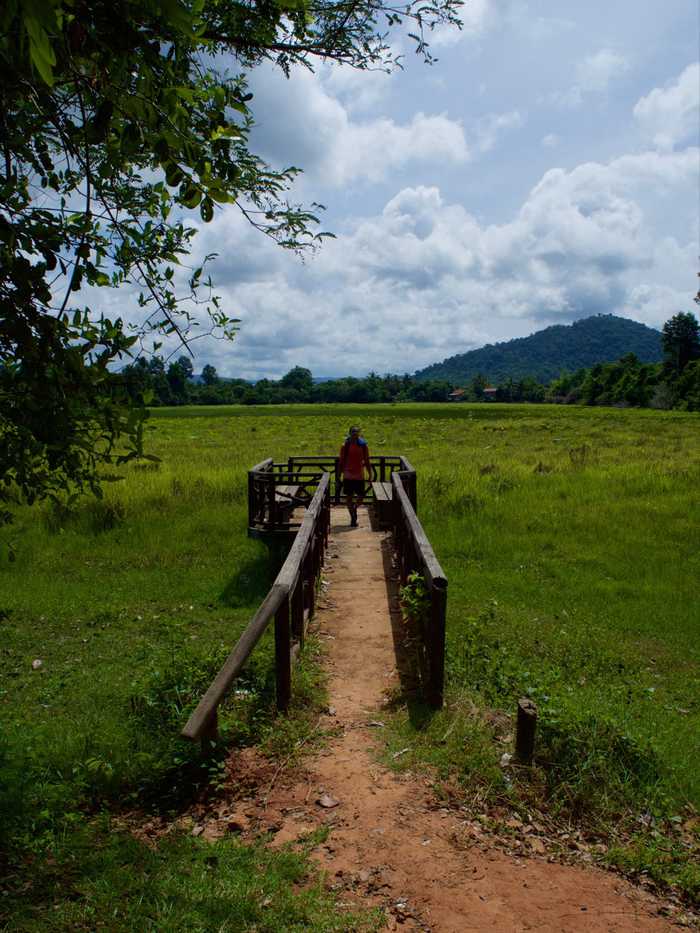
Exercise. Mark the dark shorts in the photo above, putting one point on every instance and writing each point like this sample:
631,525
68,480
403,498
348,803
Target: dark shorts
354,487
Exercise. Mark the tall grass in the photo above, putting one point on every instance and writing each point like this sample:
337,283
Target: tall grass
572,546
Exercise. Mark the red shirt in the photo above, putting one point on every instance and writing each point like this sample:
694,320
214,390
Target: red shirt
353,457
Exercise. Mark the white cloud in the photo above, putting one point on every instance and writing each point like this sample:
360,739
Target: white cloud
502,247
300,122
425,279
358,91
477,18
492,127
671,115
594,75
370,150
595,72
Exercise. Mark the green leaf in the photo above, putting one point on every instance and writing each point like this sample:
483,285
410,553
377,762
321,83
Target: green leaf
40,51
218,194
206,209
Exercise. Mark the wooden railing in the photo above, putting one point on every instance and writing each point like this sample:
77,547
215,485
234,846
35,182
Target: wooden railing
290,602
415,555
270,510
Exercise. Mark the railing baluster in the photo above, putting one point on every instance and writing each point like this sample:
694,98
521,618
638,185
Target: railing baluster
283,656
298,612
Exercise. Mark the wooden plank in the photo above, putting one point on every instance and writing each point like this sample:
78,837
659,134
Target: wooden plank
262,467
420,539
298,613
283,656
286,494
232,666
435,643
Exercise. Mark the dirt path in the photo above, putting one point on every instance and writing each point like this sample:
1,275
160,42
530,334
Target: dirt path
390,844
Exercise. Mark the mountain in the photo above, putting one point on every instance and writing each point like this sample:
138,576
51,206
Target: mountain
545,354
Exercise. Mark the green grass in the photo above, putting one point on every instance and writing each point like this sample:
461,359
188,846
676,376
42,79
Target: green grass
109,880
571,541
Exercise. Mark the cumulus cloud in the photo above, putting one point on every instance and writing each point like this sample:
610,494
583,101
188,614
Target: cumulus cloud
369,150
424,278
490,129
476,17
300,122
594,74
671,115
358,91
596,71
502,247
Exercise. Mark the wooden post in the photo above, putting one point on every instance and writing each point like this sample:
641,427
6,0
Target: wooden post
310,578
525,731
298,612
436,644
210,733
283,657
271,505
326,518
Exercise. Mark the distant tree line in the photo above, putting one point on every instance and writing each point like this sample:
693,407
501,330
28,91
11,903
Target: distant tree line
173,384
673,383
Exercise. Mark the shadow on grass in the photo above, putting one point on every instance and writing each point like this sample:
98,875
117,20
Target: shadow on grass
251,581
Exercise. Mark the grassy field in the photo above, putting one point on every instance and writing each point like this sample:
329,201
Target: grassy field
571,541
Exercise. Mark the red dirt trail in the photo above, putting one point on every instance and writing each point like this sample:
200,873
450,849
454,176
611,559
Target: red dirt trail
390,843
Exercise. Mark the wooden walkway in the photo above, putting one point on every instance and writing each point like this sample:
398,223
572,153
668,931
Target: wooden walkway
390,843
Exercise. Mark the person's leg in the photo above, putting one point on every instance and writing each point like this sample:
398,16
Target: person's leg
354,491
360,496
348,501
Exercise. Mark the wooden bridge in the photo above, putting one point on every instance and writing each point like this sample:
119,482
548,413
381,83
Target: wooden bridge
294,504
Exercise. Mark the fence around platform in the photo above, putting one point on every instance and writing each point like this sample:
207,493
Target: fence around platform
276,489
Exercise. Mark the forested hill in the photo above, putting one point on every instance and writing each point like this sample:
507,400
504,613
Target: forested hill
547,353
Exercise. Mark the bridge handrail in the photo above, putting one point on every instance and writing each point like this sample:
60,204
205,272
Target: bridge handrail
291,595
415,554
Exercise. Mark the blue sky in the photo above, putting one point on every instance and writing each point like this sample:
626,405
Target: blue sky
546,168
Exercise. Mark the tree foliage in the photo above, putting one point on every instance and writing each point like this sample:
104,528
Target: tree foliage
681,342
116,121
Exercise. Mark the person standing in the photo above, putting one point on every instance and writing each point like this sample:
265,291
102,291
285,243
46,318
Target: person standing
354,460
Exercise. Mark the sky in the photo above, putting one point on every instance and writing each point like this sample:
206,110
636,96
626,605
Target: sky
546,168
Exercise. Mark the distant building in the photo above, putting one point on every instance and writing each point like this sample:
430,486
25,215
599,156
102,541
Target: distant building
490,395
457,395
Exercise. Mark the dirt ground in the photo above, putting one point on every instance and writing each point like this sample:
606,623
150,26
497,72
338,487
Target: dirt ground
391,844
